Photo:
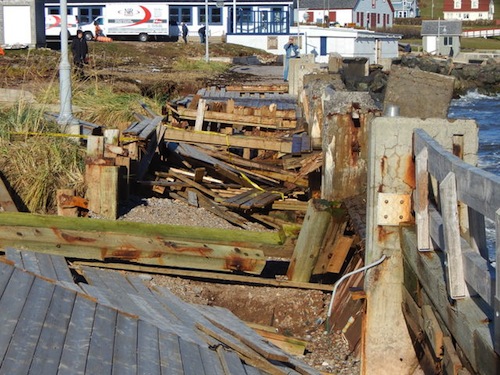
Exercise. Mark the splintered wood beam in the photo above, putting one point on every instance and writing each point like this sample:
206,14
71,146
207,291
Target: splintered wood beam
309,242
157,251
258,143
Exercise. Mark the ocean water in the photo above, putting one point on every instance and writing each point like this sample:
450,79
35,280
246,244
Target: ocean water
486,111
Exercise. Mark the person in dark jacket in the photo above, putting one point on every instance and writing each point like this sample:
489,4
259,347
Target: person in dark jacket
80,50
202,33
185,32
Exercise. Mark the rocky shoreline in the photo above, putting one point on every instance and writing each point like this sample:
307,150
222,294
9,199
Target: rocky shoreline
483,78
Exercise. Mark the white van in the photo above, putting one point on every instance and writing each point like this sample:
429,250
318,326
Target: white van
53,25
140,20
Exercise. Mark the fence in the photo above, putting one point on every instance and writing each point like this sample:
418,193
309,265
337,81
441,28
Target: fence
444,184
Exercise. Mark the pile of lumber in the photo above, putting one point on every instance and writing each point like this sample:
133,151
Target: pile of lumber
230,152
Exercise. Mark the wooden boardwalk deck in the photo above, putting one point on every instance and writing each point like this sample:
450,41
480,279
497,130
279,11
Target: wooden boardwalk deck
114,324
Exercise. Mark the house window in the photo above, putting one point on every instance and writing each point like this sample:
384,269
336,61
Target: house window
378,18
180,14
214,15
474,4
457,4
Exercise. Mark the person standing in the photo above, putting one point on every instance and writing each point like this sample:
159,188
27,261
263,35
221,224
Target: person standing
202,32
291,51
80,50
185,32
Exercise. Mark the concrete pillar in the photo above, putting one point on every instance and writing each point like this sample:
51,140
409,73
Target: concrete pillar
387,348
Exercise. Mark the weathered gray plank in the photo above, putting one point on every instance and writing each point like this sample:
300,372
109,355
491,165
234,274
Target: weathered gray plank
476,188
249,370
477,270
422,201
230,361
170,356
96,293
125,349
11,305
230,323
448,197
30,262
6,271
51,342
148,350
96,278
14,255
75,349
25,337
45,265
100,356
61,268
191,358
477,232
211,361
465,320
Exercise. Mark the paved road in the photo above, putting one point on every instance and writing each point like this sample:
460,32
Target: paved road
270,74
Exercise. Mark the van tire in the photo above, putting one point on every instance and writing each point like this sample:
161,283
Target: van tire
143,37
88,35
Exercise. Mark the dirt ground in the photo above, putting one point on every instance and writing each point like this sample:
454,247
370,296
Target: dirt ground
291,312
297,313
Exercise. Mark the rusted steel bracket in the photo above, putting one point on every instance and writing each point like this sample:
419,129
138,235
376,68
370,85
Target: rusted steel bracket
68,201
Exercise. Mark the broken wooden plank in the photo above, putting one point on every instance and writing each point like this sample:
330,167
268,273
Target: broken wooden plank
310,238
327,250
195,185
153,145
264,199
229,277
290,205
340,251
142,250
289,344
282,88
148,130
236,119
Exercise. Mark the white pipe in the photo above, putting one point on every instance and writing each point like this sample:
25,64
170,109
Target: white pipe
335,286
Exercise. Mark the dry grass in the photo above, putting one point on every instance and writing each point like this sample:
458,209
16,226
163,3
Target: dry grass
35,167
120,76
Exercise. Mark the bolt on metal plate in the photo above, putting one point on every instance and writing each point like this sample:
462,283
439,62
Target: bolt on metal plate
393,209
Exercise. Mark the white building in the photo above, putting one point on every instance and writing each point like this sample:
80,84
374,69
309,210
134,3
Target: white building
369,14
22,23
378,48
468,10
441,37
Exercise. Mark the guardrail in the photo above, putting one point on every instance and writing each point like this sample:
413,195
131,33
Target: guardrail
441,302
480,33
444,184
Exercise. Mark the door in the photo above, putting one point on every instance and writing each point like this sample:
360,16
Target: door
322,46
17,25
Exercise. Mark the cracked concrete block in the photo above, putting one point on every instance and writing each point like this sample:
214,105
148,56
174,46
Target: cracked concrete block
419,94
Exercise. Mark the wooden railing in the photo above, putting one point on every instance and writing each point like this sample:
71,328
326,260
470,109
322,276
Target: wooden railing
452,200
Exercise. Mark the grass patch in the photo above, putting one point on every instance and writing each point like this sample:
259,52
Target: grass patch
37,166
195,65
